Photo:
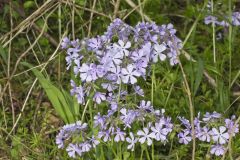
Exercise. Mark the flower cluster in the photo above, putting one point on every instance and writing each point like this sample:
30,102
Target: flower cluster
235,20
75,133
110,129
225,22
121,55
211,128
108,68
109,125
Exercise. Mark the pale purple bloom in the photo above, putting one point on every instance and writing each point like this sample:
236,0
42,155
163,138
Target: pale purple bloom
168,124
185,137
94,44
217,150
105,135
146,106
88,72
185,122
127,116
139,90
220,136
111,97
73,150
158,49
99,120
114,106
60,139
160,132
74,126
119,28
116,74
132,140
173,61
73,56
120,135
204,134
75,43
236,18
101,71
129,74
229,123
145,136
78,92
109,86
210,19
209,116
141,66
143,53
65,43
94,141
112,57
86,147
223,23
166,29
123,47
99,97
81,126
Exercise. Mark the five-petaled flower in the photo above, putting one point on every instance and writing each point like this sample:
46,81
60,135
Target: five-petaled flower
145,136
129,74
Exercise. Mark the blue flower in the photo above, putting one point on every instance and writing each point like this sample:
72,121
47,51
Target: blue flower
120,135
129,74
78,92
185,137
217,150
73,150
132,140
65,43
99,97
145,136
88,73
158,49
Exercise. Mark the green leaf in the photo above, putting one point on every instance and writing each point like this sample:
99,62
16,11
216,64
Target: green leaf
29,4
198,75
126,155
60,99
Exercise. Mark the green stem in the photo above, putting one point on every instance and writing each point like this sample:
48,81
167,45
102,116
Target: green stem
152,86
230,43
141,153
213,36
152,151
148,157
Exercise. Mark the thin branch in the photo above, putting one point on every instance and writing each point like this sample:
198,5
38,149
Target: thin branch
87,9
116,8
91,18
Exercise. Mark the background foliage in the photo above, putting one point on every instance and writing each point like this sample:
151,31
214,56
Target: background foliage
30,34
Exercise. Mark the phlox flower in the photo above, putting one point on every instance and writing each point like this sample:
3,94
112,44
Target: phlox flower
73,150
120,135
185,137
129,74
160,132
145,136
220,136
204,134
99,97
88,73
217,150
123,47
131,140
158,49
